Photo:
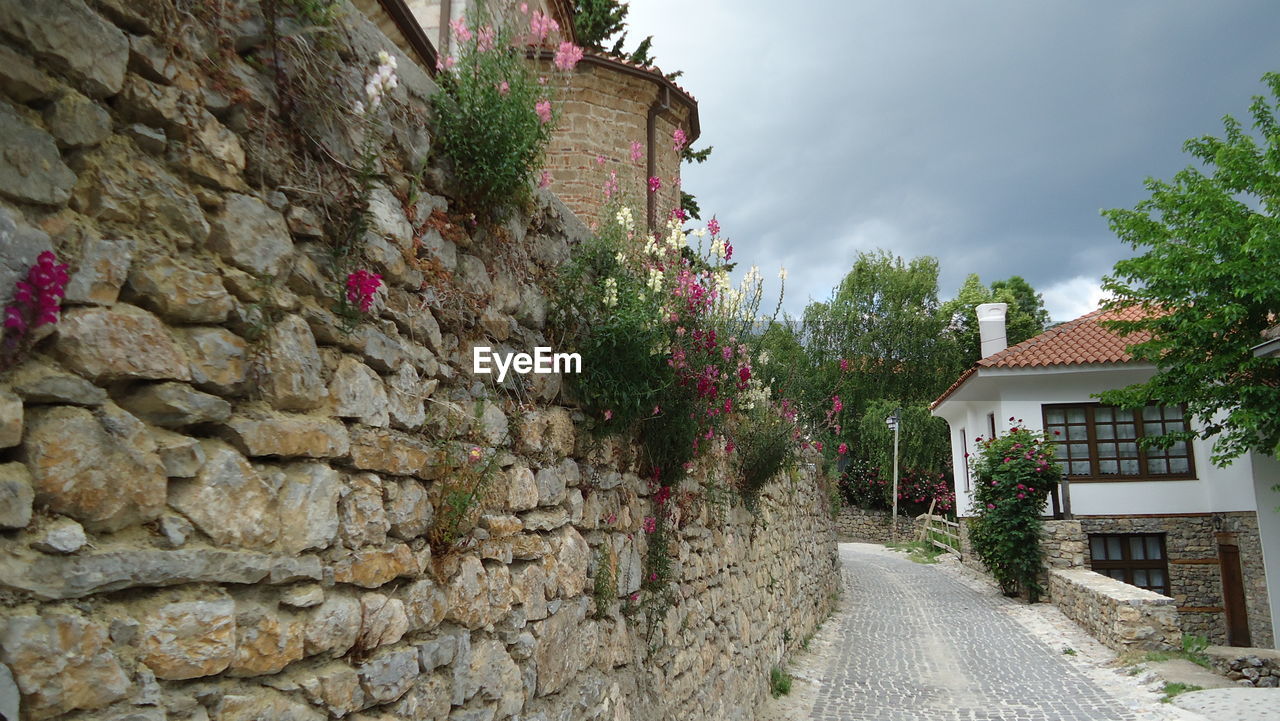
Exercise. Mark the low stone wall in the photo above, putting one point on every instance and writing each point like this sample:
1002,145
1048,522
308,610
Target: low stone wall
1121,616
863,526
1064,545
1247,666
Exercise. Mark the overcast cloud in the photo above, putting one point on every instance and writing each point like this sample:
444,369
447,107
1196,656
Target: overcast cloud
988,134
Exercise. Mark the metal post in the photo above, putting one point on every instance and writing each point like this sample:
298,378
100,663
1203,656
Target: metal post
894,528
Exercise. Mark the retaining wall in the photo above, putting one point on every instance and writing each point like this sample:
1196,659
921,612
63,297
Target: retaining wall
1121,616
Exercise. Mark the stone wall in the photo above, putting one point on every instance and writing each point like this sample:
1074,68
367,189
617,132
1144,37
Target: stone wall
1121,616
864,526
1258,667
216,495
1195,580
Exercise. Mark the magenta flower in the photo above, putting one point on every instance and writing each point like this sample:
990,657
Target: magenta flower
567,56
637,151
361,287
713,227
655,184
679,140
504,88
541,25
608,414
544,180
842,449
485,37
543,109
650,524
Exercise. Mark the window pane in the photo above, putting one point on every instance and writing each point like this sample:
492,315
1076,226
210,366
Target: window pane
1097,549
1075,415
1173,412
1151,413
1108,468
1179,465
1178,449
1129,468
1054,415
1153,429
1137,549
1106,450
1157,578
1115,551
1157,466
1060,451
1126,431
1118,574
1105,433
1079,468
1124,415
1102,415
1128,450
1078,433
1153,548
1140,577
1172,426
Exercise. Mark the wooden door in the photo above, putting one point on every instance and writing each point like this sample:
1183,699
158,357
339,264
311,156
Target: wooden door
1233,590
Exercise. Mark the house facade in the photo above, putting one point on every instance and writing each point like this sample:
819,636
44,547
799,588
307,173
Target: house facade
1164,519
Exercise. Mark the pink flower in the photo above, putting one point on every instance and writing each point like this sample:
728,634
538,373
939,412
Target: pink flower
475,454
361,287
543,109
544,180
728,446
637,151
655,184
608,414
657,410
653,577
713,227
678,139
567,56
650,524
485,37
842,449
635,596
540,25
836,405
504,88
460,30
817,446
844,364
445,62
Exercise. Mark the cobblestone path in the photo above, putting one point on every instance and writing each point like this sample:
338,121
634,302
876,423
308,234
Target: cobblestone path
916,644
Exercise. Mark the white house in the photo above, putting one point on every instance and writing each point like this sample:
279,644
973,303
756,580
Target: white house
1167,520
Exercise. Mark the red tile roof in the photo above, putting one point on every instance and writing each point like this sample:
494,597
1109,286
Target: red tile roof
1082,341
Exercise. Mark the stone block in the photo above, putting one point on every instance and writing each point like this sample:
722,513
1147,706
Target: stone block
179,293
16,496
309,497
363,518
70,38
265,642
251,235
101,271
175,405
357,392
119,343
103,471
292,367
61,663
31,169
228,481
76,121
61,535
288,435
218,359
21,80
10,419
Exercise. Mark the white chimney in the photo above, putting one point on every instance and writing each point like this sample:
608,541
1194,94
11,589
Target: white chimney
991,327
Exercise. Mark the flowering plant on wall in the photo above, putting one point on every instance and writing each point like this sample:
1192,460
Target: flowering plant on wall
37,301
1013,474
494,115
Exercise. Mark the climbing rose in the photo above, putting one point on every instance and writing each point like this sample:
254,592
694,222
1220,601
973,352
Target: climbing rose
361,287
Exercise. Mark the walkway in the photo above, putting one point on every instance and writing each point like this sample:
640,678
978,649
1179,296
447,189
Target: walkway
923,643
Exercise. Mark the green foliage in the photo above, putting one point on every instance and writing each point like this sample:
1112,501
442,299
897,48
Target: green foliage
595,21
924,440
918,551
689,204
766,446
487,126
779,682
604,585
1173,688
321,13
689,155
1013,475
1206,277
1026,313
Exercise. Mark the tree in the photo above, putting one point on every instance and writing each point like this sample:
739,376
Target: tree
1026,314
596,21
1208,283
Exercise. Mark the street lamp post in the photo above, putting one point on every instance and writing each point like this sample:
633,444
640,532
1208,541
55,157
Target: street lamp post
893,422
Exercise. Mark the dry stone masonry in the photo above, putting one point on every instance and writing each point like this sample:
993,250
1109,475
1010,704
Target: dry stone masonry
216,495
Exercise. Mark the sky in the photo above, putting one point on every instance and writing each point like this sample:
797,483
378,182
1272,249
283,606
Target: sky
986,133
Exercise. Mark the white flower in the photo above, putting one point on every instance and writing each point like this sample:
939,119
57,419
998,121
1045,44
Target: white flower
782,274
625,219
655,280
620,258
358,108
610,292
717,248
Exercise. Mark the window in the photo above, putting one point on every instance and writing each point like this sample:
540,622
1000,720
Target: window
1101,443
1136,559
991,425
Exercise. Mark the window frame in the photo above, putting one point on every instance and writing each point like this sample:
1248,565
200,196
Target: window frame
1129,565
1090,409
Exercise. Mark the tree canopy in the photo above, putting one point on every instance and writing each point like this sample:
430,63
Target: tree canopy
1026,313
1207,277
